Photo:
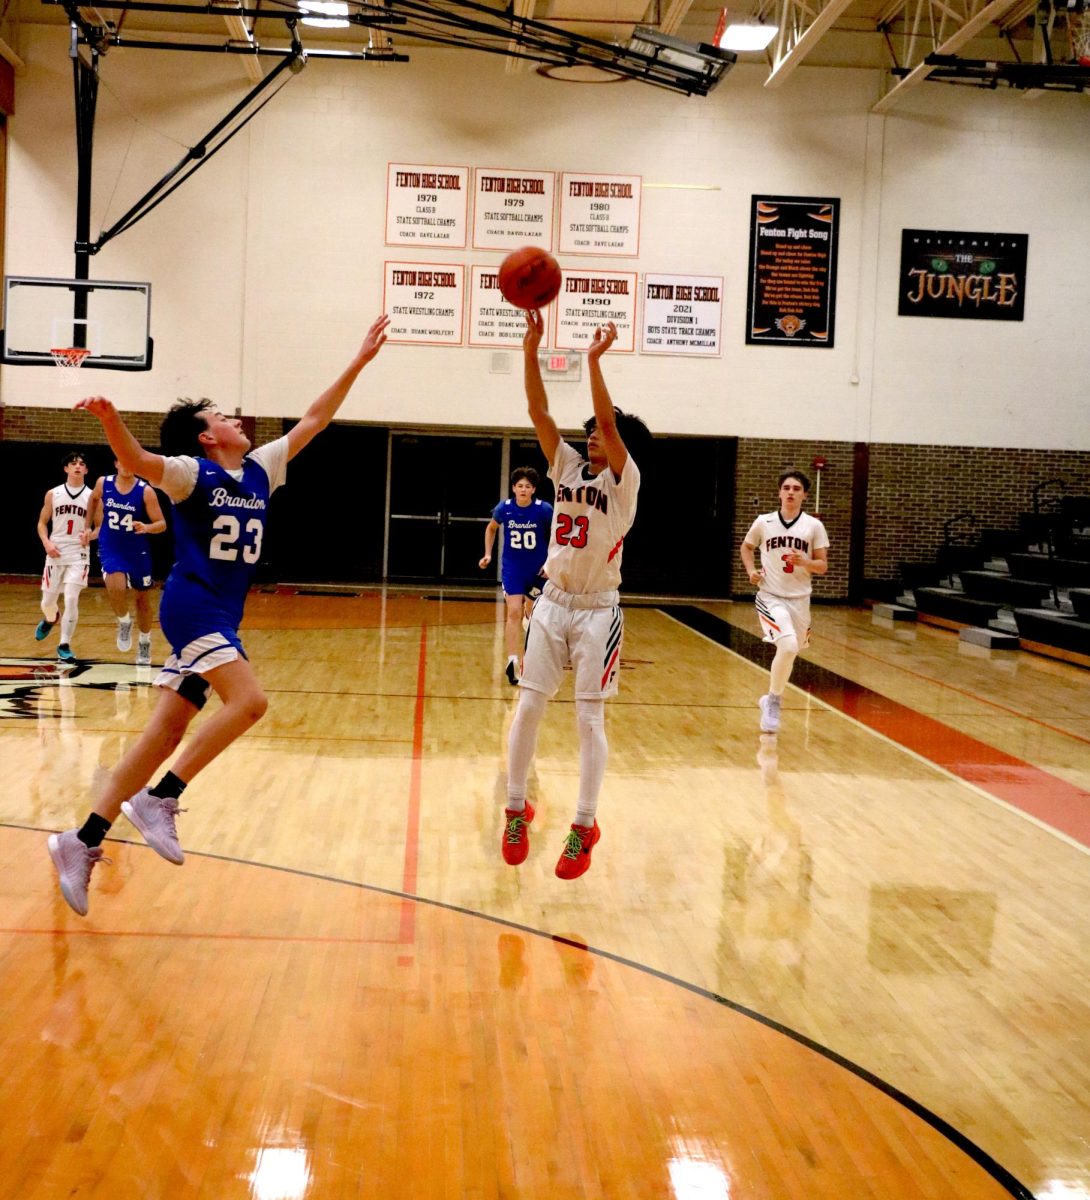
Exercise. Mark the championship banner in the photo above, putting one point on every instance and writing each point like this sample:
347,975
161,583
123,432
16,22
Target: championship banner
600,214
513,208
682,314
425,301
591,298
426,206
492,321
970,276
791,293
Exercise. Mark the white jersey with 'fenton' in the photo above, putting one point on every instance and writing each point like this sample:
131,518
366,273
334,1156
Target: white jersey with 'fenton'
591,515
68,520
776,539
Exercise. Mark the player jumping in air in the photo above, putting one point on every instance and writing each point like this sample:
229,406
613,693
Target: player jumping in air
577,619
220,490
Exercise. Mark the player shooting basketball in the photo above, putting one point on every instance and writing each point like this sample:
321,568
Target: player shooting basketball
577,619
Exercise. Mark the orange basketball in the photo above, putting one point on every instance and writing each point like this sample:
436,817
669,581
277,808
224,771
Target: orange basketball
529,277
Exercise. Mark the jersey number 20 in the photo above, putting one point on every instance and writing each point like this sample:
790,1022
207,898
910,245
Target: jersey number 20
225,543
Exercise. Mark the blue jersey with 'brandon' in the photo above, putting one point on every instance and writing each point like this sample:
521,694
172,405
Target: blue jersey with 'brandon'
218,531
119,547
525,541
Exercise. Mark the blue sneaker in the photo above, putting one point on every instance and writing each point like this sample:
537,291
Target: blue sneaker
64,653
42,632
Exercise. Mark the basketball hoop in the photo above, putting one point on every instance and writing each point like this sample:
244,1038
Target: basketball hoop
69,359
1078,30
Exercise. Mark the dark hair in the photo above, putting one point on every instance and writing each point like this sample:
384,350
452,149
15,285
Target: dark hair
527,473
803,479
71,457
182,427
634,433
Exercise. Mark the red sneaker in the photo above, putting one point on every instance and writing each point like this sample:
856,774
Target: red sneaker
575,858
516,838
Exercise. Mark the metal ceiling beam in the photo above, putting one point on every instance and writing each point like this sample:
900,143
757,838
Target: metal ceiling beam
973,24
794,41
658,60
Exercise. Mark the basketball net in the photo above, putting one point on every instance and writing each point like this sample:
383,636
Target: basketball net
1078,30
69,359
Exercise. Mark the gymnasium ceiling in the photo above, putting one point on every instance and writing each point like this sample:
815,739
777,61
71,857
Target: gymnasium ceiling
983,43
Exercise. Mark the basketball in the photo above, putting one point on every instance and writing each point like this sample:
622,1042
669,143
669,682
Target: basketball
529,277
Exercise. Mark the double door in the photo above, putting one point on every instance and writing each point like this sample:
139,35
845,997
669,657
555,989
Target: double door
442,489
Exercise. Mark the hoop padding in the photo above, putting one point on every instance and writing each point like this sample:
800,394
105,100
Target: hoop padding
69,359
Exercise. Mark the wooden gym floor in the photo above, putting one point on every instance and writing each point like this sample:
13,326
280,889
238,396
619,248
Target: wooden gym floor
850,961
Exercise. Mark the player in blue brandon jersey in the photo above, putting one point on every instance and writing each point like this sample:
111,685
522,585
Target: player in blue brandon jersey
526,524
220,490
125,511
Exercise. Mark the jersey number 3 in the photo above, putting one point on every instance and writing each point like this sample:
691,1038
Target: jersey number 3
565,524
225,544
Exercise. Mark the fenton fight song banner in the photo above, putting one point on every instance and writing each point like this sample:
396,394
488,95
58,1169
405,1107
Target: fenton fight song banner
791,293
971,276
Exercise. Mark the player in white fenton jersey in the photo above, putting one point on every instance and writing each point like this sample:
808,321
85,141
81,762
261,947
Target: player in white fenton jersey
65,533
794,547
577,619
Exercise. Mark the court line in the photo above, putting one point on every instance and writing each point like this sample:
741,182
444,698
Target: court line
1046,800
412,819
965,1144
951,688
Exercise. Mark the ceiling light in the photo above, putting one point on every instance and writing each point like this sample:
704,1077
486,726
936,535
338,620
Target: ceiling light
743,35
325,13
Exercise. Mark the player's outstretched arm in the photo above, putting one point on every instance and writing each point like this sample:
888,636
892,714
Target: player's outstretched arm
324,409
127,450
616,452
537,400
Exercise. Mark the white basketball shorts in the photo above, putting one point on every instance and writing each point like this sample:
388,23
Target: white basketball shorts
60,573
782,616
583,630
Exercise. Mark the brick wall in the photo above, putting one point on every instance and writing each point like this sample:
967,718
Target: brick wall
914,489
78,429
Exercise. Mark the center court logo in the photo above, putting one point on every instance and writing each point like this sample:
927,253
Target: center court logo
25,683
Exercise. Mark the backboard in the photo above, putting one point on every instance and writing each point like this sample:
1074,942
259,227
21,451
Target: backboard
110,318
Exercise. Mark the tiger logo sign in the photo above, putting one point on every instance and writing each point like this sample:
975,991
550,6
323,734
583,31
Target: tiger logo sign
25,683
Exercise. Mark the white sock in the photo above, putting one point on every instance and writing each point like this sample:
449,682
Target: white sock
521,745
590,716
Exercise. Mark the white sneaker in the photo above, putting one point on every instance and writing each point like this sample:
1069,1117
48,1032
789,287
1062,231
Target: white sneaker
155,819
124,634
143,650
770,713
74,862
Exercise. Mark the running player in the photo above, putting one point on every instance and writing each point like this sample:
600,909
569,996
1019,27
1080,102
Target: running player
65,532
525,523
577,619
220,491
124,510
794,547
